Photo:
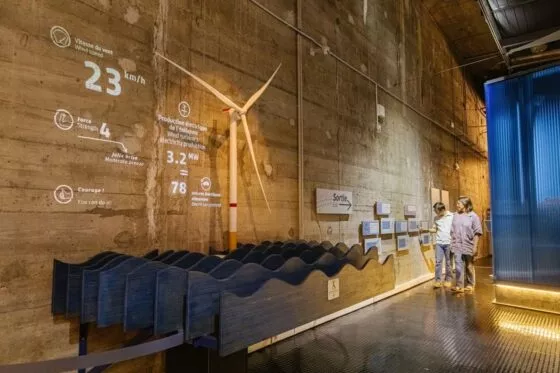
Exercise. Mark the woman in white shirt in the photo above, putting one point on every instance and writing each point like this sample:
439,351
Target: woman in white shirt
442,229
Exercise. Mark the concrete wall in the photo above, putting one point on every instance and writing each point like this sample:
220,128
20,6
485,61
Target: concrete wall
126,202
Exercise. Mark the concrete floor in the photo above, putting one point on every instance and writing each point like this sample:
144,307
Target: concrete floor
424,330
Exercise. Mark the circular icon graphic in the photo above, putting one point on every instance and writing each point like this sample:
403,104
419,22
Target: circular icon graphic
206,184
60,37
63,119
184,109
63,194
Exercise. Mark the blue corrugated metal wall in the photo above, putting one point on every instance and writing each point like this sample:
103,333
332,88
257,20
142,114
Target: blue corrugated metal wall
523,116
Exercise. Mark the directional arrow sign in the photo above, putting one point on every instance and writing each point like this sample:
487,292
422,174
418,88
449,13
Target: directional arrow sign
335,202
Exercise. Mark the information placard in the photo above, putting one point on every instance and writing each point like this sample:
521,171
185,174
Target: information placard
370,228
336,202
387,226
383,208
401,226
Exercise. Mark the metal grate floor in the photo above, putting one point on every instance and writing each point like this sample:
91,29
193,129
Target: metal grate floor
424,330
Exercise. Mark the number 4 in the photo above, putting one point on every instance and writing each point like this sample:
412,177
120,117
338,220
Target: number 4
104,131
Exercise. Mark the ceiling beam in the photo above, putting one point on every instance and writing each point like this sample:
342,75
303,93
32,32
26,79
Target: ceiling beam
494,30
527,38
509,6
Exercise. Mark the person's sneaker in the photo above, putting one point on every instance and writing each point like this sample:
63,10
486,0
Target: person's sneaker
457,290
447,284
437,284
469,288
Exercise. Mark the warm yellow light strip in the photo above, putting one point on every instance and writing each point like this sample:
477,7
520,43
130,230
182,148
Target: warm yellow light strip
530,330
557,293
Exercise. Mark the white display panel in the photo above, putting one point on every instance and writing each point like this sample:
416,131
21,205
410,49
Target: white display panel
387,226
370,228
383,208
424,225
410,210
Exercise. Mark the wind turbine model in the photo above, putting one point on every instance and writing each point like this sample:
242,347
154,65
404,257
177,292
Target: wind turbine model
235,113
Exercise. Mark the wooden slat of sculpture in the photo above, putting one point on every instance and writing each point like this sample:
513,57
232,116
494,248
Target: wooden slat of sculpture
139,296
60,280
170,286
278,307
90,288
226,269
90,285
74,284
140,292
189,260
202,297
170,294
309,256
275,250
110,299
273,262
239,253
177,255
255,257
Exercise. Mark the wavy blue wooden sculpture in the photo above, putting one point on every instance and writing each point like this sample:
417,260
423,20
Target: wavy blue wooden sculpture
279,306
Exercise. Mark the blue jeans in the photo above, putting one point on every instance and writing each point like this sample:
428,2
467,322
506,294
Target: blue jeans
464,270
443,251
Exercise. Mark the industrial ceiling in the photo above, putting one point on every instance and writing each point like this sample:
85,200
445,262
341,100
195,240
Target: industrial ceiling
498,37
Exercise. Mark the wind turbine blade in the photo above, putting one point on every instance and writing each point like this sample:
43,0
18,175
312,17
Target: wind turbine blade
226,100
259,93
251,150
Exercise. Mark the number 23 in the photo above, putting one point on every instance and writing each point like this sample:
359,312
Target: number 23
114,79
